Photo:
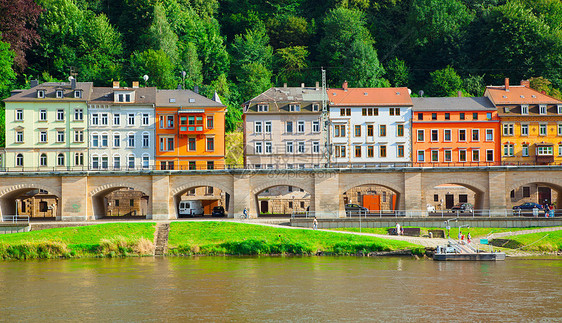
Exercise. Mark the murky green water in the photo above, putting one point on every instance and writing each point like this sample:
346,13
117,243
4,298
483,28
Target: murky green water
274,289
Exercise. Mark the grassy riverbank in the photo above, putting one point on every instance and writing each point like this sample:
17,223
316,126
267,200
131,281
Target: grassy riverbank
474,232
536,242
219,238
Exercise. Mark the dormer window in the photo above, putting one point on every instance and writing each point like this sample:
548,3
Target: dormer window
77,94
121,98
263,108
524,109
542,109
315,107
41,94
294,107
191,100
505,110
559,108
172,100
59,94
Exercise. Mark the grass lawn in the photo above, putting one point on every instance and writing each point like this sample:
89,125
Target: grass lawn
249,239
538,242
474,232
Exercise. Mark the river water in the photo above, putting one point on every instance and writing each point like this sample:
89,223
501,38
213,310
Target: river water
280,289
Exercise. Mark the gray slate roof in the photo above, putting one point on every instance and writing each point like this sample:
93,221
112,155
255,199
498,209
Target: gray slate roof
184,98
452,104
288,94
143,95
50,88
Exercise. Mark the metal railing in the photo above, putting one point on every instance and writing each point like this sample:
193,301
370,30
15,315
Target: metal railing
15,218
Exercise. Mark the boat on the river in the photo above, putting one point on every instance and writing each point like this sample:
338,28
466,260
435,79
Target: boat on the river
465,252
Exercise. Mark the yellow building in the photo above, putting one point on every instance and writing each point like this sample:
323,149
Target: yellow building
531,124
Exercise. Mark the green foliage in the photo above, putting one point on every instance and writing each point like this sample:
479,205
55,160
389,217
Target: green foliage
288,31
474,85
251,48
398,73
362,68
543,85
445,82
160,35
191,64
157,65
291,63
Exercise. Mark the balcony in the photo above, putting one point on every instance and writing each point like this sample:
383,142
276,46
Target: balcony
191,122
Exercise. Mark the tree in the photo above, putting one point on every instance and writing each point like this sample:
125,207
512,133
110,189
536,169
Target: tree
7,77
444,82
362,68
290,63
252,47
397,73
191,65
160,35
286,31
18,23
253,80
157,65
543,85
474,85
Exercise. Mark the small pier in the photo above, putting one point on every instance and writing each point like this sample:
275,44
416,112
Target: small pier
464,252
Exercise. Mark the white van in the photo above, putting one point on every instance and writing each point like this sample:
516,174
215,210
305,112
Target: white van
190,208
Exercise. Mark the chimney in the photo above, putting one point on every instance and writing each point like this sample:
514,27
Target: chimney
526,83
285,85
317,85
459,94
507,84
33,83
135,84
344,85
73,83
196,89
179,87
302,85
115,84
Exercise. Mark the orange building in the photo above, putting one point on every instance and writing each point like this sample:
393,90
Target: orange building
189,131
455,131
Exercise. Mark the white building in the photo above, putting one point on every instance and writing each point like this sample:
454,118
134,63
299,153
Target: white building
370,126
121,127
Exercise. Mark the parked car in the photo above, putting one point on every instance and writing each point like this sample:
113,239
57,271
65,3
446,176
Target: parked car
463,207
528,206
218,211
430,208
355,209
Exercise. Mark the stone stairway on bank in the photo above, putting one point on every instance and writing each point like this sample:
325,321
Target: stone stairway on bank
161,243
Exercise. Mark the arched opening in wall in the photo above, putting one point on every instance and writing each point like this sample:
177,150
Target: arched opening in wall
371,200
205,201
120,203
454,199
283,201
37,204
543,196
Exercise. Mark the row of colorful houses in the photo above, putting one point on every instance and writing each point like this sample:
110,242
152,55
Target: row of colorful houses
288,127
76,126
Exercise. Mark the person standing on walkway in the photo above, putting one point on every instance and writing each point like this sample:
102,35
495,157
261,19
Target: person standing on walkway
468,237
459,235
245,213
398,229
314,224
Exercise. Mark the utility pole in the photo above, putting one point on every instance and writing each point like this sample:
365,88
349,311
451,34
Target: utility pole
326,120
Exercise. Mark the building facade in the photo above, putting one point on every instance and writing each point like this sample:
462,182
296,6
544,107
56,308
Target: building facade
531,124
370,125
455,131
121,127
46,127
282,129
190,131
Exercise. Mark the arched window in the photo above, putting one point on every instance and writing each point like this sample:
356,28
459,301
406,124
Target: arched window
60,159
116,161
79,159
131,140
19,160
131,161
145,160
104,161
43,160
95,161
145,139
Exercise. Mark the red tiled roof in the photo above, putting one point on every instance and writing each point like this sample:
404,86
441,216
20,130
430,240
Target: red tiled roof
518,94
393,96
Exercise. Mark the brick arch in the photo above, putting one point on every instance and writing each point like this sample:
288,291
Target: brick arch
547,181
28,186
282,182
372,182
106,187
185,187
477,188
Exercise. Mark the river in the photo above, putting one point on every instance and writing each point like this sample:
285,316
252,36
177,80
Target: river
280,288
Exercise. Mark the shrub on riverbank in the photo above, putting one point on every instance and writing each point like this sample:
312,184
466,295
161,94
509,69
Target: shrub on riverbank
228,238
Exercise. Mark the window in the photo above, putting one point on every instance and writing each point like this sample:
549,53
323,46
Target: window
104,140
267,125
461,116
145,161
462,135
447,155
77,94
19,160
400,130
167,143
345,112
289,127
42,115
145,119
116,140
315,107
315,126
434,116
394,111
400,151
490,155
268,147
434,156
43,136
258,127
474,116
357,131
489,134
131,119
508,150
263,107
435,135
19,137
294,107
560,129
131,140
104,162
435,197
300,126
524,109
104,119
60,136
95,162
475,155
421,135
78,135
60,115
544,151
40,94
462,155
420,116
316,147
169,122
192,166
339,130
526,191
421,156
542,129
95,140
475,135
382,151
489,116
210,144
560,150
145,140
300,147
358,151
524,129
43,160
447,116
370,151
447,135
59,94
79,159
211,122
340,151
370,130
78,114
289,147
116,119
559,108
382,130
542,109
60,159
95,119
116,162
508,129
131,161
191,144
